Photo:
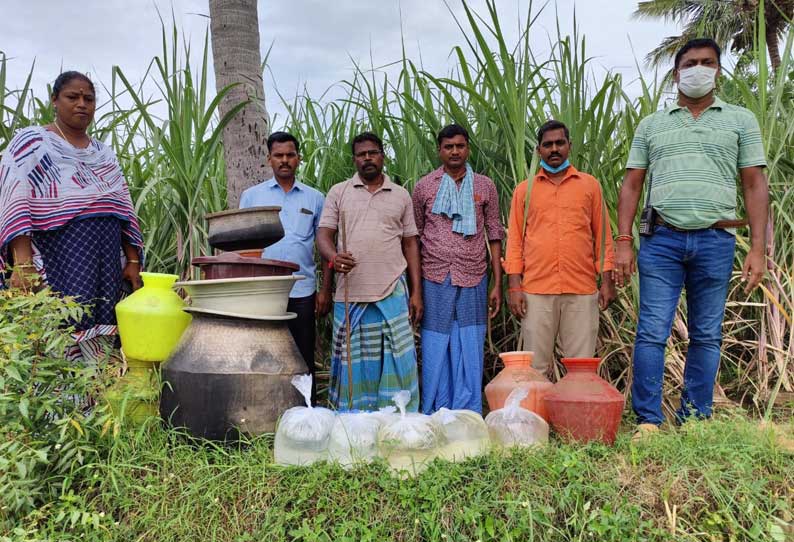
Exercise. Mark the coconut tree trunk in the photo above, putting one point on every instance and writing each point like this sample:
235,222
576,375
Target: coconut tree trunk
234,26
779,14
773,47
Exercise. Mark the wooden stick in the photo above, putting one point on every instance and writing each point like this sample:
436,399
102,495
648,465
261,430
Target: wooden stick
347,322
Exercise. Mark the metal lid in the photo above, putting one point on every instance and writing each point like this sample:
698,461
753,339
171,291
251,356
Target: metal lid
229,212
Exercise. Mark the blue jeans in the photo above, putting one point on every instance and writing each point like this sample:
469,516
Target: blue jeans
700,261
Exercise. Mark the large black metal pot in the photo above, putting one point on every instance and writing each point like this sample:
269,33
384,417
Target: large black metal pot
244,229
229,376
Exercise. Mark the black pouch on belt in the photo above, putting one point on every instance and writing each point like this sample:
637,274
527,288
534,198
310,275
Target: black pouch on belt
648,215
647,221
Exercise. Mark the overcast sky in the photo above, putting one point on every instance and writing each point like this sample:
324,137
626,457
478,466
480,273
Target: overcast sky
314,41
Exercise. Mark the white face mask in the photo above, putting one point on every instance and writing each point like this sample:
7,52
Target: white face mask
697,81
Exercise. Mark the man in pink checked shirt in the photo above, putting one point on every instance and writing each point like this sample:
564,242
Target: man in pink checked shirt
455,209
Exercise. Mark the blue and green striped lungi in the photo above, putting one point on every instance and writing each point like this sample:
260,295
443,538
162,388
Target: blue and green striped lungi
382,350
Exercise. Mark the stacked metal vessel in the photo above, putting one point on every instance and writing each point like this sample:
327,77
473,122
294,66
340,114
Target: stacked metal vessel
231,372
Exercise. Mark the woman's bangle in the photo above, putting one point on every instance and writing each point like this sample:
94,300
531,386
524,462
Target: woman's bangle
134,261
25,265
514,290
624,237
331,262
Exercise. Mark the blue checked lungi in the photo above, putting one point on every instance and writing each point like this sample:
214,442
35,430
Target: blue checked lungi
453,337
382,351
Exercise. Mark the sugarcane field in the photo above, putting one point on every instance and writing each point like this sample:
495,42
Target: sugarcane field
445,270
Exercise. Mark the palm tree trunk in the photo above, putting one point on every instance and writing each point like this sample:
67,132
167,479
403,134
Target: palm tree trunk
234,26
773,47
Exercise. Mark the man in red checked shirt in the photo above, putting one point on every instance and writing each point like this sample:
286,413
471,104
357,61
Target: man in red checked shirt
455,208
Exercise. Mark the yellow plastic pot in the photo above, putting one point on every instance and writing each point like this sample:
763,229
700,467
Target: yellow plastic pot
151,320
137,393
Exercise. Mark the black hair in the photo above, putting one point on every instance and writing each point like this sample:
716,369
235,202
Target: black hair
550,125
448,132
67,77
698,43
365,136
282,137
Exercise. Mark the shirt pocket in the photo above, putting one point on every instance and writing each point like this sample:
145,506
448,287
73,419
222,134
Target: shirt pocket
576,211
720,146
389,218
391,227
479,210
302,223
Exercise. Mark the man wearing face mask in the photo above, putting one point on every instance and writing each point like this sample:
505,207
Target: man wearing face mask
691,153
558,241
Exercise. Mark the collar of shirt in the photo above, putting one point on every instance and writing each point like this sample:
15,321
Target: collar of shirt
570,172
716,104
436,174
387,182
272,183
439,173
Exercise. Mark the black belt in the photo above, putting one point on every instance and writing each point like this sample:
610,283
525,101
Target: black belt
718,225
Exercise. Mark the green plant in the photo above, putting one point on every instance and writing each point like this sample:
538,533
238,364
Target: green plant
183,176
13,116
50,438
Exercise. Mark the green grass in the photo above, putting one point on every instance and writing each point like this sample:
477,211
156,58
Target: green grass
722,480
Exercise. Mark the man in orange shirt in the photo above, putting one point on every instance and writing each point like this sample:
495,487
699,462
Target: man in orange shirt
556,247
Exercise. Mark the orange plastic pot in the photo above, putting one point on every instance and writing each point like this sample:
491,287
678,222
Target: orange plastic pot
583,406
518,373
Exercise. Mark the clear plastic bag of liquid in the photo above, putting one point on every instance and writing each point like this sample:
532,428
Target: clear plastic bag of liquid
303,432
409,442
516,426
465,432
386,414
354,438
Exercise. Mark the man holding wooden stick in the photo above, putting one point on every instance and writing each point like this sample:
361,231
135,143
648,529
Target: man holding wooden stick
373,353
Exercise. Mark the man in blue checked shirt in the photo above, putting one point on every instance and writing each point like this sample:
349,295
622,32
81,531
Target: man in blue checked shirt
301,207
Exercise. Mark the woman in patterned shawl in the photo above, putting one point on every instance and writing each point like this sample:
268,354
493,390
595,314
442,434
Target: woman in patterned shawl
66,216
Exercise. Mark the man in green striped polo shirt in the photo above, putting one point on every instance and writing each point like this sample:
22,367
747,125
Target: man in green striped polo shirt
691,153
